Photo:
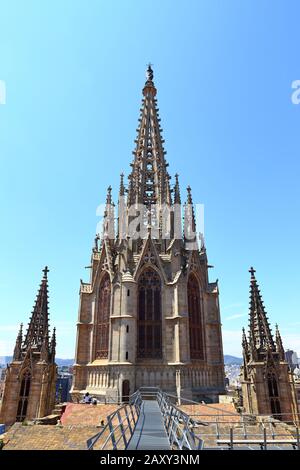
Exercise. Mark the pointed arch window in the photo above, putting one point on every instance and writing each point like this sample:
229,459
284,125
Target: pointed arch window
195,318
103,314
149,343
24,396
274,396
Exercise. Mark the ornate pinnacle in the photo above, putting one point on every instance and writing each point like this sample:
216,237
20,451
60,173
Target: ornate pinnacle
53,345
177,199
108,221
96,242
18,346
279,345
108,196
189,211
189,197
245,344
244,338
122,187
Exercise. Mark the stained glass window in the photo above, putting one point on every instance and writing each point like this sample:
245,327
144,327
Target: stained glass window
195,320
23,397
102,326
274,396
149,315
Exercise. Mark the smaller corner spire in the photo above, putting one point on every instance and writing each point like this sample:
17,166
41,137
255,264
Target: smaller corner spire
244,337
189,220
279,345
189,195
245,344
108,221
122,187
38,324
18,347
260,331
177,198
108,196
53,345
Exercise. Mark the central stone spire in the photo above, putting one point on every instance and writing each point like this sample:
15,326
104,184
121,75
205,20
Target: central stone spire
149,179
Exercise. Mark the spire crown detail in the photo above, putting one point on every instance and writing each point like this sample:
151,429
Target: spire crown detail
39,322
260,334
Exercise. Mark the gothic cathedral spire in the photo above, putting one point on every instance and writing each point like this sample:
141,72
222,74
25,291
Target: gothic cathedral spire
149,178
260,331
39,321
267,384
29,390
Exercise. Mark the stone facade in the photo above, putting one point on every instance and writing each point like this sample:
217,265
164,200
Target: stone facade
29,389
267,382
149,315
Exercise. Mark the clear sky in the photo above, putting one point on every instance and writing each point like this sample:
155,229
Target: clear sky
74,71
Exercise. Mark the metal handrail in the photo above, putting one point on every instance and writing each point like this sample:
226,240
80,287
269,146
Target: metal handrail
262,441
134,407
178,425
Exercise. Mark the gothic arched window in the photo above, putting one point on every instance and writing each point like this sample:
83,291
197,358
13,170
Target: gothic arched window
195,320
272,386
103,314
23,397
149,315
274,396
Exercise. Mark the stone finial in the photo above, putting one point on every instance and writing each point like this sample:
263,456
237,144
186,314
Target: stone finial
149,73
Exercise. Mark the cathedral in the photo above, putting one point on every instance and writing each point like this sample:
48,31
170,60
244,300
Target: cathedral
149,316
29,390
267,382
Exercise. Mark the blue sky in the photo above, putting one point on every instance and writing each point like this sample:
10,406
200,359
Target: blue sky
74,72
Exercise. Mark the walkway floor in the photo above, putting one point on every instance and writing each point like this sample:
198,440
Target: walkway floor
150,432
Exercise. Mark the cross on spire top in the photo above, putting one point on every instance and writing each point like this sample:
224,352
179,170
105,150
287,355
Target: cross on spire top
45,271
252,271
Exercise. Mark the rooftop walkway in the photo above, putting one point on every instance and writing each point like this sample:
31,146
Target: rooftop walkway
150,431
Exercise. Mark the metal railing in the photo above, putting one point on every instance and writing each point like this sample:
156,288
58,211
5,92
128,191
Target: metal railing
178,424
260,440
120,426
231,428
225,429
